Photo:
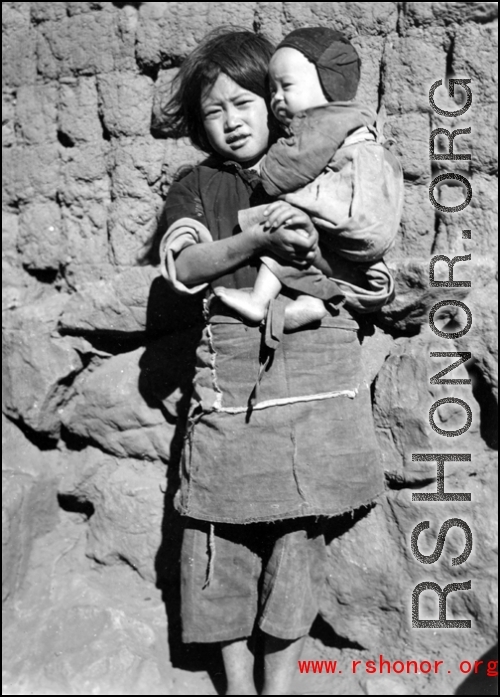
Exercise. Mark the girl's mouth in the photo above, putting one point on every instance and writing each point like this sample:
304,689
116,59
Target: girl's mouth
238,141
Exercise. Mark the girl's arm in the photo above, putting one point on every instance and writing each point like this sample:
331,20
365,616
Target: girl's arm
204,262
328,262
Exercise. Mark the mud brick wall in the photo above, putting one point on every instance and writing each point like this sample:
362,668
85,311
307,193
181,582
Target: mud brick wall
95,366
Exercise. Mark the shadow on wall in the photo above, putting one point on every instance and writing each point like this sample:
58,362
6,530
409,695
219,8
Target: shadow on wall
173,326
485,682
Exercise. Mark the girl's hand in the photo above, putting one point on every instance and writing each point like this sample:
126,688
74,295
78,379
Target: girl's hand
291,234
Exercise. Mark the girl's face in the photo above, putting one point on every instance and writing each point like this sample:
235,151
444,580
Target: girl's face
235,121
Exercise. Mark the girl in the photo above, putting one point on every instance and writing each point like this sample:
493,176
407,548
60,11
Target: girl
280,430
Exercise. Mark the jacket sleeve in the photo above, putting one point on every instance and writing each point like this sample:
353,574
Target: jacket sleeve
185,217
294,162
184,200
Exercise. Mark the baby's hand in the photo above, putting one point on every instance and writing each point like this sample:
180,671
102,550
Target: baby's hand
291,234
282,213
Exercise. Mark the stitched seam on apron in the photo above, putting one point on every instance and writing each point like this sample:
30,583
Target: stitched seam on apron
351,394
213,357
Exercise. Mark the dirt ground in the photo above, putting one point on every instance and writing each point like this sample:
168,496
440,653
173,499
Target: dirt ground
79,628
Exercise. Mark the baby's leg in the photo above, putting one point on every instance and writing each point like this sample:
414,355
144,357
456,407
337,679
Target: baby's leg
253,304
305,309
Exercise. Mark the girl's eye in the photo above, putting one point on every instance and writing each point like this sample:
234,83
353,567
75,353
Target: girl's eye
243,102
211,114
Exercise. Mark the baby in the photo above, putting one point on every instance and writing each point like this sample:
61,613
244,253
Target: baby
333,167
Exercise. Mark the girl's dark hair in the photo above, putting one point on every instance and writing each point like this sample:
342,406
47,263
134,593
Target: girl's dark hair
241,55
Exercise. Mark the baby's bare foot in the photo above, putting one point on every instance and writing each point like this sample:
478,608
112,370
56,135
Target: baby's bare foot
304,310
243,302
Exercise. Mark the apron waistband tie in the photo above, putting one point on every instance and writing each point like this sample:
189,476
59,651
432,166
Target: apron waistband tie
211,556
273,331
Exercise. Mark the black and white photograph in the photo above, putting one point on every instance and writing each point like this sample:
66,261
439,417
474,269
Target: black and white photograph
250,348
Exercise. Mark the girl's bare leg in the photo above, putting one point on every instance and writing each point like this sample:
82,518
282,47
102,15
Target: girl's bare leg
280,664
252,305
238,663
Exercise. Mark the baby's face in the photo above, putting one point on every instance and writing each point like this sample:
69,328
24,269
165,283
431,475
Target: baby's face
295,84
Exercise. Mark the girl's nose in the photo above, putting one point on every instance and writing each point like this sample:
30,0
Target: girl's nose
233,119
